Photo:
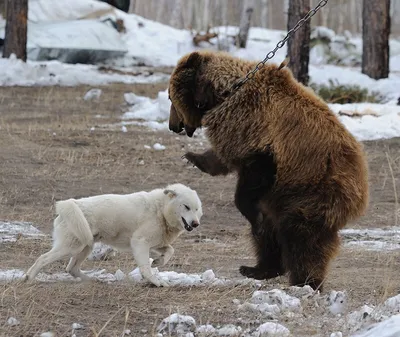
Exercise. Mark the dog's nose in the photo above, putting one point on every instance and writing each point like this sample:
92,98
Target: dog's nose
195,224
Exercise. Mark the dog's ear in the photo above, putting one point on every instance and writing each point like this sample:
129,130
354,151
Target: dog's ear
170,193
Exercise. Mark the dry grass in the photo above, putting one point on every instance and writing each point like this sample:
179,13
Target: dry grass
48,152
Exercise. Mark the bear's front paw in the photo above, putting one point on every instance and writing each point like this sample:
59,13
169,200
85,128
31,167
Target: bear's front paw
194,159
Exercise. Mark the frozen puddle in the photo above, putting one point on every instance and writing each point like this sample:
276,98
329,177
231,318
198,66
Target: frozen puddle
372,239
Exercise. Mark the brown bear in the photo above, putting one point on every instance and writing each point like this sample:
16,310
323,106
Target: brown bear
301,175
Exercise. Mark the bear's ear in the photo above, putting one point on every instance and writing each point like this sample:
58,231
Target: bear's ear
194,60
170,193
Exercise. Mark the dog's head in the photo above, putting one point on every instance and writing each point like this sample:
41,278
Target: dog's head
192,92
183,207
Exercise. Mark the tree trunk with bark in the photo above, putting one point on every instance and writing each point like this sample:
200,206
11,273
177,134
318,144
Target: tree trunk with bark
376,30
299,43
16,29
245,20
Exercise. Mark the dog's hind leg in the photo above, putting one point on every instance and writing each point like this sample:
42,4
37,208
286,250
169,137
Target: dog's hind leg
75,262
55,254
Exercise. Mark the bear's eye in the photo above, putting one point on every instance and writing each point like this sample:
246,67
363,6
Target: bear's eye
200,105
187,207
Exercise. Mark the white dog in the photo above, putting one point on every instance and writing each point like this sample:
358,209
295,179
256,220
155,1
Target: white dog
142,222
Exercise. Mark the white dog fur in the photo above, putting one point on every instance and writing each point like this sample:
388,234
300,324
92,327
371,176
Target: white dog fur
142,222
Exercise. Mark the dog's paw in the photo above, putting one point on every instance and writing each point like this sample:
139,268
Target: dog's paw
164,283
159,282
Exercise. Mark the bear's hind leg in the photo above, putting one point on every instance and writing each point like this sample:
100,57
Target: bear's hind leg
307,251
268,252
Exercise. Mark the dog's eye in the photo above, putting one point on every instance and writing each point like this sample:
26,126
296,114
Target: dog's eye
187,207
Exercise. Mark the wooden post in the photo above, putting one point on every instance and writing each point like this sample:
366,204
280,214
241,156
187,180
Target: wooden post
376,30
16,29
299,44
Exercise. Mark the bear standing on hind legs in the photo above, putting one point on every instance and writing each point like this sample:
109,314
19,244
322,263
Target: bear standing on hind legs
301,175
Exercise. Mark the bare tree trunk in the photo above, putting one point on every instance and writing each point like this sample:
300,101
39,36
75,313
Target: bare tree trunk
16,29
376,30
244,27
264,13
299,44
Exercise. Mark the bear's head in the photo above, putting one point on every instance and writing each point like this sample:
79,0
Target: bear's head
192,91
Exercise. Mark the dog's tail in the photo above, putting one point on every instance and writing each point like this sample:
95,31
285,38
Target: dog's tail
74,218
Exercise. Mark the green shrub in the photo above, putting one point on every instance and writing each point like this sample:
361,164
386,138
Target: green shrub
350,93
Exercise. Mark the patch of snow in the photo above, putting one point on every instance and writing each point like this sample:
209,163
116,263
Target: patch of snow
92,94
159,147
336,334
77,326
10,231
337,302
229,330
14,72
271,302
101,252
270,329
147,109
206,329
177,324
372,239
119,275
47,334
124,129
12,321
387,328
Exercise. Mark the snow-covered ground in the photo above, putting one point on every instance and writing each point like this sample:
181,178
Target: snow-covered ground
155,44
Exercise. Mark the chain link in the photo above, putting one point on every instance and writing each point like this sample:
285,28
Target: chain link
279,45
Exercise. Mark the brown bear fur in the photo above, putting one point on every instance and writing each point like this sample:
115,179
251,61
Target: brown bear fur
301,175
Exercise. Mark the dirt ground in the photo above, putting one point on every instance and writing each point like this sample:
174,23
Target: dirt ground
50,151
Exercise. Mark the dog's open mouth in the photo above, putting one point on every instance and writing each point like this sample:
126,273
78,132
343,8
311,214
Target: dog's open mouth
187,226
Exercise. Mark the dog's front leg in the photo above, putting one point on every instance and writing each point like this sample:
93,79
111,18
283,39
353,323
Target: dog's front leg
165,255
141,254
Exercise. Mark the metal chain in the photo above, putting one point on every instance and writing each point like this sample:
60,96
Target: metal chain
280,44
